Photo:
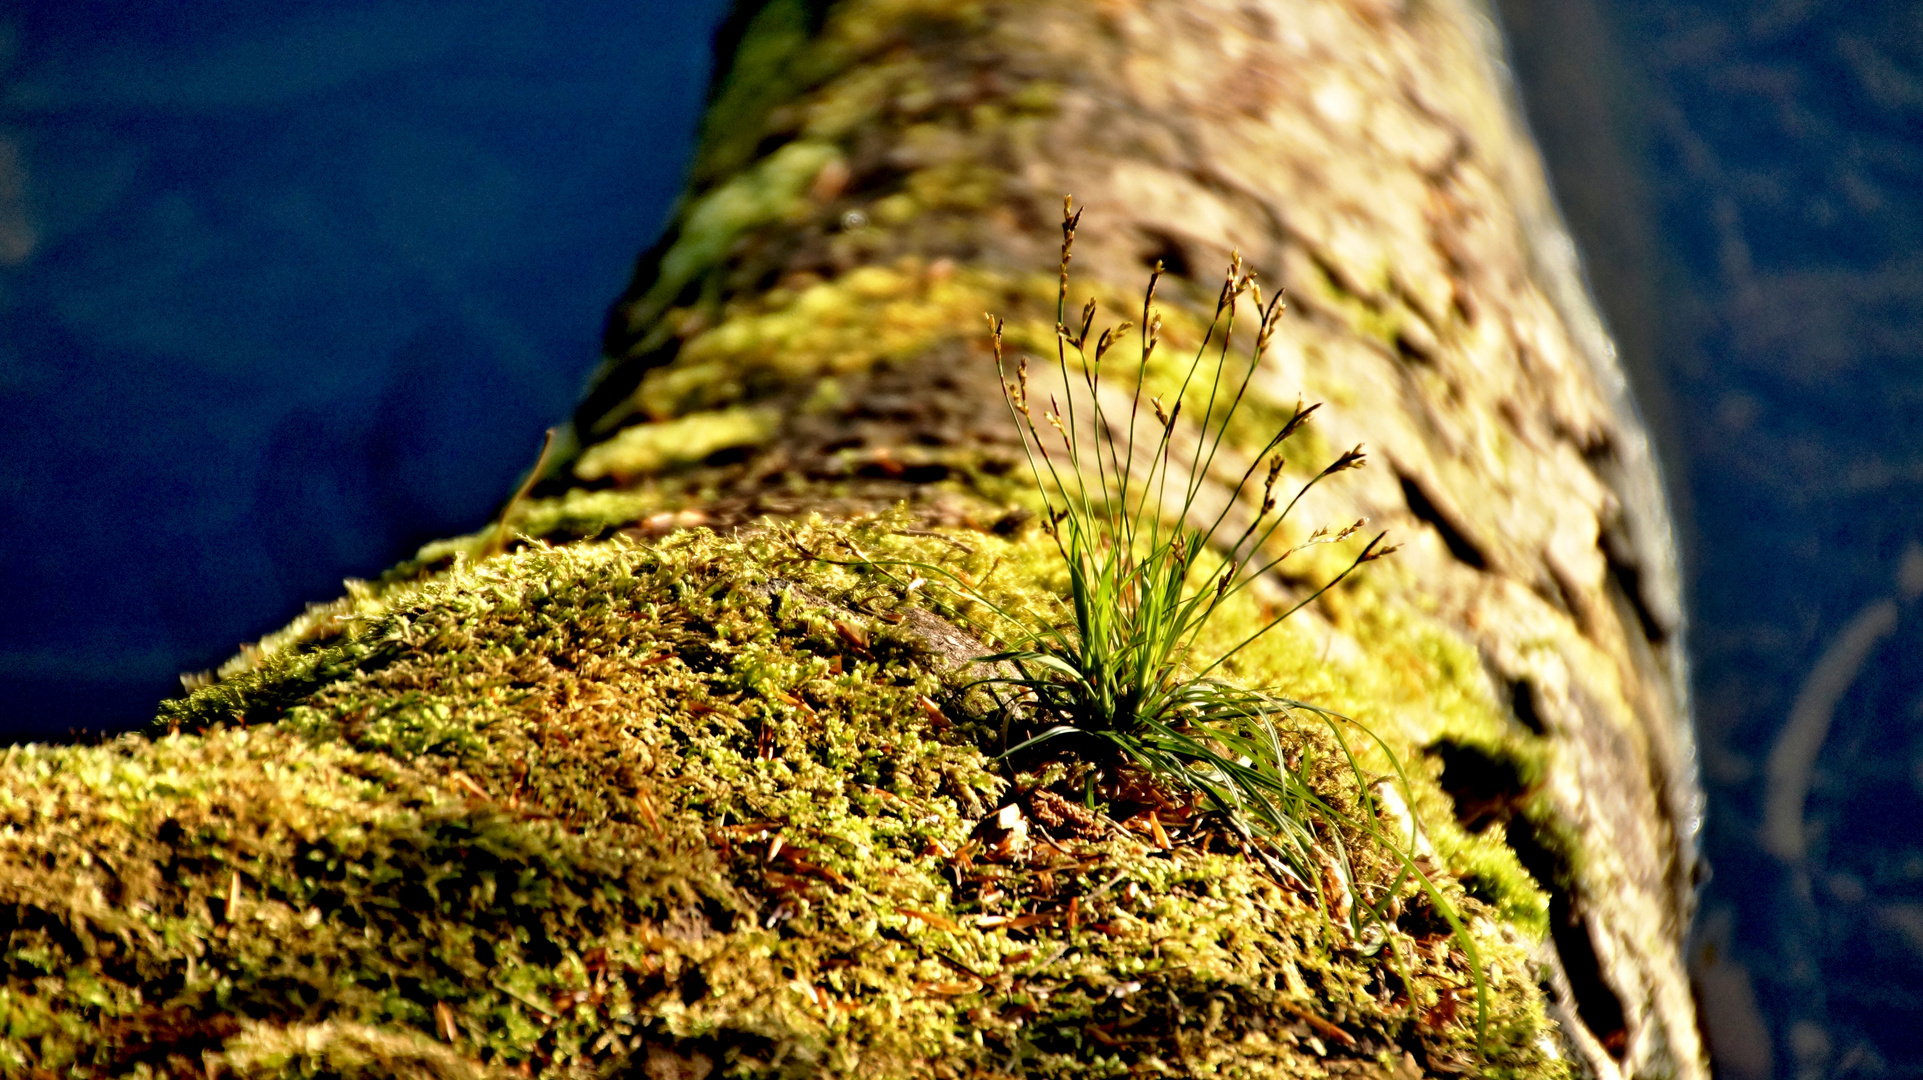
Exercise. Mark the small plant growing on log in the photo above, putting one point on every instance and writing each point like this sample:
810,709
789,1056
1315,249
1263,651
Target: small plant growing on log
1118,679
1121,671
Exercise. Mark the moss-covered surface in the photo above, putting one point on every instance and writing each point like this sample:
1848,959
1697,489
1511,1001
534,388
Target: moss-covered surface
838,162
697,804
664,801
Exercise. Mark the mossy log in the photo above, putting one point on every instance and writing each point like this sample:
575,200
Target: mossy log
681,781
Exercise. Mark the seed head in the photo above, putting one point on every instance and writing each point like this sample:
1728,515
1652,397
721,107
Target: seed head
1352,458
1296,421
1111,337
1375,551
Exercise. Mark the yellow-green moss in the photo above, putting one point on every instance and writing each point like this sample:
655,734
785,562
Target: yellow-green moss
770,191
648,448
791,336
782,56
761,76
585,808
781,59
581,513
1371,317
808,92
1433,685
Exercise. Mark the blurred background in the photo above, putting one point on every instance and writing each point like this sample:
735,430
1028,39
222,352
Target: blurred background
287,289
1745,178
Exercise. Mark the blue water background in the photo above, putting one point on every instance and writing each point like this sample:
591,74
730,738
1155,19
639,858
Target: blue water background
1747,181
287,289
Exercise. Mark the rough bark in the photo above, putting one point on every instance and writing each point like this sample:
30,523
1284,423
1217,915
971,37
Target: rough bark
875,173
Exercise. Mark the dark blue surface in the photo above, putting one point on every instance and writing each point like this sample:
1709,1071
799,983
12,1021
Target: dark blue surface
286,289
1790,185
1774,180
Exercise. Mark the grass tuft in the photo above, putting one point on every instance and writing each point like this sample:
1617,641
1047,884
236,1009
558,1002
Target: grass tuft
1148,566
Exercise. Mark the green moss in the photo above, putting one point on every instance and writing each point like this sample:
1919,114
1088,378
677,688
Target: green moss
772,190
349,1051
783,57
648,448
808,92
579,513
815,87
711,804
1433,682
584,808
761,75
1488,868
792,336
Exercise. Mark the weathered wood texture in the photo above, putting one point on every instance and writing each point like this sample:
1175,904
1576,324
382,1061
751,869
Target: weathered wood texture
877,172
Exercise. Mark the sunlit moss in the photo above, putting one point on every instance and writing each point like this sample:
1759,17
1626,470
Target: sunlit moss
1431,684
580,808
772,189
648,448
829,327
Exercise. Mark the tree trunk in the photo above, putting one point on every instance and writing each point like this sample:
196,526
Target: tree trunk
722,801
874,174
